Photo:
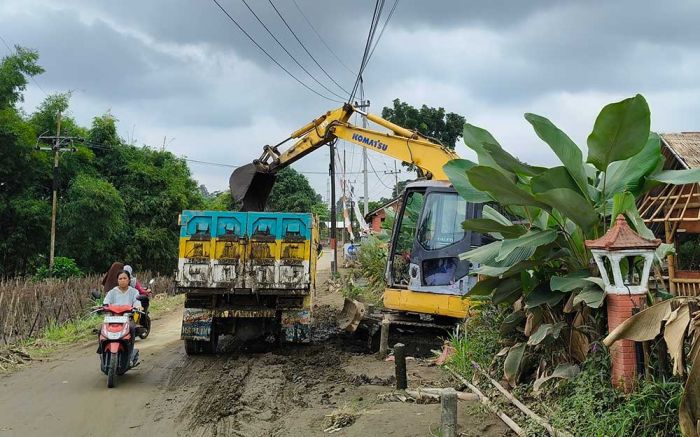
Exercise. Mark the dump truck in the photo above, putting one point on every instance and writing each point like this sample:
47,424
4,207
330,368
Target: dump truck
246,274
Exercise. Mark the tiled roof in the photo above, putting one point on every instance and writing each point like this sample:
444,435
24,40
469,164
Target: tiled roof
621,237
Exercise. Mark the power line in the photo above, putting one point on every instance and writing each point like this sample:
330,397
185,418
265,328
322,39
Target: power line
377,175
198,161
305,49
270,56
393,8
287,51
372,28
321,38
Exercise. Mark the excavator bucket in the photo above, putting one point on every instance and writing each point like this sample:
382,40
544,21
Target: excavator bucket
251,187
351,316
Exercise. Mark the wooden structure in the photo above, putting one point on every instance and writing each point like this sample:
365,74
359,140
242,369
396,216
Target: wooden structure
670,210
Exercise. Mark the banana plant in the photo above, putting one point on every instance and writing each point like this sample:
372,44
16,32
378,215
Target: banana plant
540,218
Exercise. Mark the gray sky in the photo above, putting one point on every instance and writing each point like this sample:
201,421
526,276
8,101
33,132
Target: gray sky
181,70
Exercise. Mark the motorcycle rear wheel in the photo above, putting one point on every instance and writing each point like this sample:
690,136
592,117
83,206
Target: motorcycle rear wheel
145,327
112,369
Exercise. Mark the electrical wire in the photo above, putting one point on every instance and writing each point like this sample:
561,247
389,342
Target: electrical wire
197,161
287,51
372,28
270,56
377,175
391,13
321,38
305,49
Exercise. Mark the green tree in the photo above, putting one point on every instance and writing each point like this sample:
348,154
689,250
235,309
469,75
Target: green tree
23,211
116,201
292,193
92,222
15,70
446,127
322,211
220,201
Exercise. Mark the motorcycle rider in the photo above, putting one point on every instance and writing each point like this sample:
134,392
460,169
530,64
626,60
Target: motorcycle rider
110,279
134,282
124,294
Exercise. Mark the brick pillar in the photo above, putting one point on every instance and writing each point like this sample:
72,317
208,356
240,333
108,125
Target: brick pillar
623,353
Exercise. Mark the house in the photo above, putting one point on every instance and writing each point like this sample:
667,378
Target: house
375,218
673,213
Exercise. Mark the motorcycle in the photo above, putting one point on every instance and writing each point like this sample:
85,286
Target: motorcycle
143,319
115,341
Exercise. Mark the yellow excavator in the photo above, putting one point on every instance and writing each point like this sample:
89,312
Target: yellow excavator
425,279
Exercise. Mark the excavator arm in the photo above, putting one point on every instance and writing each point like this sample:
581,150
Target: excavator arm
251,184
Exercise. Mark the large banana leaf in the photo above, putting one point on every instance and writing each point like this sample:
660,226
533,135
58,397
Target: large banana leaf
501,187
677,177
475,138
486,226
489,213
512,364
629,174
484,287
553,178
620,132
524,246
541,296
624,203
593,296
486,256
572,205
456,171
509,162
569,282
567,151
507,291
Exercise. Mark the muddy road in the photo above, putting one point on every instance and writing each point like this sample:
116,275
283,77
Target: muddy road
330,386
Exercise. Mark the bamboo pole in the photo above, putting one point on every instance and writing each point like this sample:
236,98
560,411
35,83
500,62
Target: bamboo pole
522,407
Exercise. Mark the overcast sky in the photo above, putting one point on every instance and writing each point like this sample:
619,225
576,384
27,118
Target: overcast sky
182,70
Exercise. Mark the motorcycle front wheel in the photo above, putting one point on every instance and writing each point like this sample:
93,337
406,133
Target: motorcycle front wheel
112,369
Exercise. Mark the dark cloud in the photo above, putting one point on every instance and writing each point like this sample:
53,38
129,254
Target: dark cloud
182,69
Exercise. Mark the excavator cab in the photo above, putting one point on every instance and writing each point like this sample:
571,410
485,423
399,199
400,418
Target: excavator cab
424,273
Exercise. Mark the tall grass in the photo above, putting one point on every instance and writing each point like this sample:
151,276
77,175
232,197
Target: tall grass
477,340
29,307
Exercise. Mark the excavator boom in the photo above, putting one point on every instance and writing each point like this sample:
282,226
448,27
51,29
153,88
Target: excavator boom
251,184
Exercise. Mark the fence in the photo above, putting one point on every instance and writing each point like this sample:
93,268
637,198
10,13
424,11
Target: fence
27,307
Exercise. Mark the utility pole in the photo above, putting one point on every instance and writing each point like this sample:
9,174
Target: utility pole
396,176
364,105
345,199
334,246
58,146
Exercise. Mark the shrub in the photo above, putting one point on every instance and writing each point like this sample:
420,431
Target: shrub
589,405
63,268
372,260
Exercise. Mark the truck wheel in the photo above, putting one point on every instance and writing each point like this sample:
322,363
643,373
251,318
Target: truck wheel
192,347
210,347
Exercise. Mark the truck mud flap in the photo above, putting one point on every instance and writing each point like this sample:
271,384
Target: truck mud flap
296,326
196,324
